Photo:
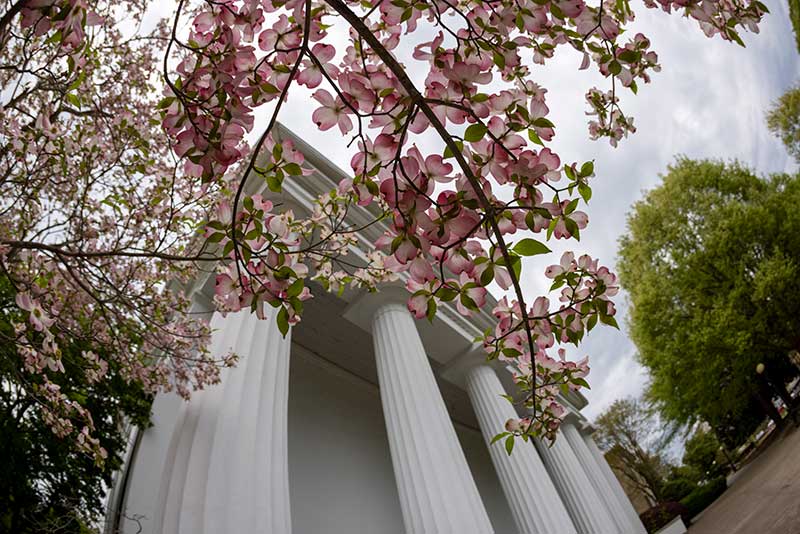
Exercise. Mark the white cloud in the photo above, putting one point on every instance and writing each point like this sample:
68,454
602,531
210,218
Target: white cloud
708,102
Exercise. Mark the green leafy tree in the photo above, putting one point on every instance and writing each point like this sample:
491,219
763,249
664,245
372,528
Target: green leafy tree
46,484
634,443
710,262
794,17
783,118
703,457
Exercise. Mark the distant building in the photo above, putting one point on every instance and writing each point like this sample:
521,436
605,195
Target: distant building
638,498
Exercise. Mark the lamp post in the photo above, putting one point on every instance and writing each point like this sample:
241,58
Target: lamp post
764,396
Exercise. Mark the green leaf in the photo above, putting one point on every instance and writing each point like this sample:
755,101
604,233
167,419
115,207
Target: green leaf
609,320
580,382
516,266
629,56
74,100
449,153
587,169
296,288
269,88
283,321
530,221
585,191
274,183
509,445
615,67
592,322
468,302
487,276
498,437
571,207
475,133
534,137
446,294
735,36
499,60
551,227
530,247
572,228
520,21
430,313
293,169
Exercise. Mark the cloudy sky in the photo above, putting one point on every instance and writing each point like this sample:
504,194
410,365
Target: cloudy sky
709,101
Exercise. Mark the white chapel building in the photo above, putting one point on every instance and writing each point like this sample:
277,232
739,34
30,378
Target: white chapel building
361,421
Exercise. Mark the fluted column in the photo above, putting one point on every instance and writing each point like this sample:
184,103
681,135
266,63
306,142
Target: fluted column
437,492
228,460
532,497
581,499
601,485
614,484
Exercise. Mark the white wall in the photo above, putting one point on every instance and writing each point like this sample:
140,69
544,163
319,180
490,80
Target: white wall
340,471
480,463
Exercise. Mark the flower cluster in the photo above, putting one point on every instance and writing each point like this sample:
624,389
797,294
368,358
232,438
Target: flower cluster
94,219
586,292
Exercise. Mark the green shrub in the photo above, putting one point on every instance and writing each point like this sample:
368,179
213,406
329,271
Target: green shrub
677,488
702,496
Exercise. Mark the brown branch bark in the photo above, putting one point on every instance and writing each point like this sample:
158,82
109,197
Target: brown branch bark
9,15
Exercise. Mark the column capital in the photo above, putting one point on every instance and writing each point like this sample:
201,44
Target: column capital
362,310
460,367
445,338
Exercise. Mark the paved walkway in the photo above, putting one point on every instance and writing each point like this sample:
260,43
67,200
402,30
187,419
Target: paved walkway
764,498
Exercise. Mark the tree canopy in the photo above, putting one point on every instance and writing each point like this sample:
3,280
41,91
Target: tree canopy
794,17
783,120
702,457
710,261
46,484
634,443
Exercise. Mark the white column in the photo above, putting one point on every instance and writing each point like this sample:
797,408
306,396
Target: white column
437,492
601,485
581,499
227,466
534,500
614,484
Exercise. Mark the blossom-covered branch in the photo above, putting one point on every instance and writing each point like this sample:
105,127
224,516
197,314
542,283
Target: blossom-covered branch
457,214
